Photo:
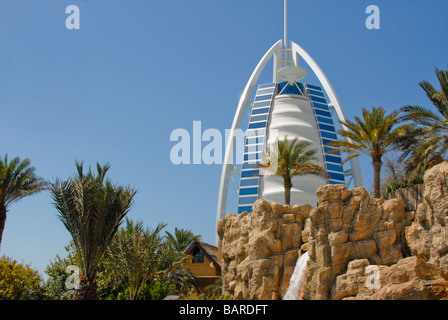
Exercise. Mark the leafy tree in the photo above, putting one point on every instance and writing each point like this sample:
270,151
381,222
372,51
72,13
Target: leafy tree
175,270
57,271
142,262
19,282
426,142
132,256
290,158
158,290
181,239
91,208
154,270
396,176
193,294
374,135
215,288
17,181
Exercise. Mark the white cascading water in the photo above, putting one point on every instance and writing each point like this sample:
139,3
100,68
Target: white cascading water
297,282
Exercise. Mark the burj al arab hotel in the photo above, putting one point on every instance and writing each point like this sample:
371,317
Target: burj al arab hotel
286,106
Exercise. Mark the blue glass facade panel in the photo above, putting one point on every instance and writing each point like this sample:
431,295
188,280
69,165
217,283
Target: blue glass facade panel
248,191
325,120
322,113
257,125
263,97
285,88
330,150
249,182
243,209
260,111
247,200
249,173
336,182
264,91
327,127
333,159
328,135
266,85
256,132
263,117
321,106
254,140
254,148
318,99
334,167
336,176
252,157
316,93
261,104
248,166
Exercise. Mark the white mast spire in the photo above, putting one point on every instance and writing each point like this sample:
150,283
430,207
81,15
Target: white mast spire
286,25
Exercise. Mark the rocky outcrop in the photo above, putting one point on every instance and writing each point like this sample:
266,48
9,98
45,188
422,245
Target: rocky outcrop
349,225
427,237
259,250
359,247
409,279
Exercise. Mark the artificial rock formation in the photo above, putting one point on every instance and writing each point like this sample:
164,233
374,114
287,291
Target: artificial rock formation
259,250
427,237
359,247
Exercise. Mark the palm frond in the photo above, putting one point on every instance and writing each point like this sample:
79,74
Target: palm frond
92,209
427,143
18,180
289,158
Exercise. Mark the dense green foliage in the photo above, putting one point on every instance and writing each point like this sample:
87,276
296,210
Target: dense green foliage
19,282
139,264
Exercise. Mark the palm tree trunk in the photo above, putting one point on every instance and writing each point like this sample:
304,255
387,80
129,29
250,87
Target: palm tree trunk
2,221
288,185
87,289
377,177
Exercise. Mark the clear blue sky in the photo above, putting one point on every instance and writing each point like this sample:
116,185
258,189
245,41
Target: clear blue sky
114,90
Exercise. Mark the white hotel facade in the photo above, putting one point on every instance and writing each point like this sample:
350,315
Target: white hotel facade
286,106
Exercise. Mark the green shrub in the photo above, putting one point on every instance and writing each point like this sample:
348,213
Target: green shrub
18,281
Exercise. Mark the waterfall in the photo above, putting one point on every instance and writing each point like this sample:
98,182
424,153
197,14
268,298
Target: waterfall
297,282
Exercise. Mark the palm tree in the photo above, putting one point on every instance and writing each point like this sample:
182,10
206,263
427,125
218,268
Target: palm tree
290,158
181,239
133,256
91,208
175,270
374,135
426,143
17,181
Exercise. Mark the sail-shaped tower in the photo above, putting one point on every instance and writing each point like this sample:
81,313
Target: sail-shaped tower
290,107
